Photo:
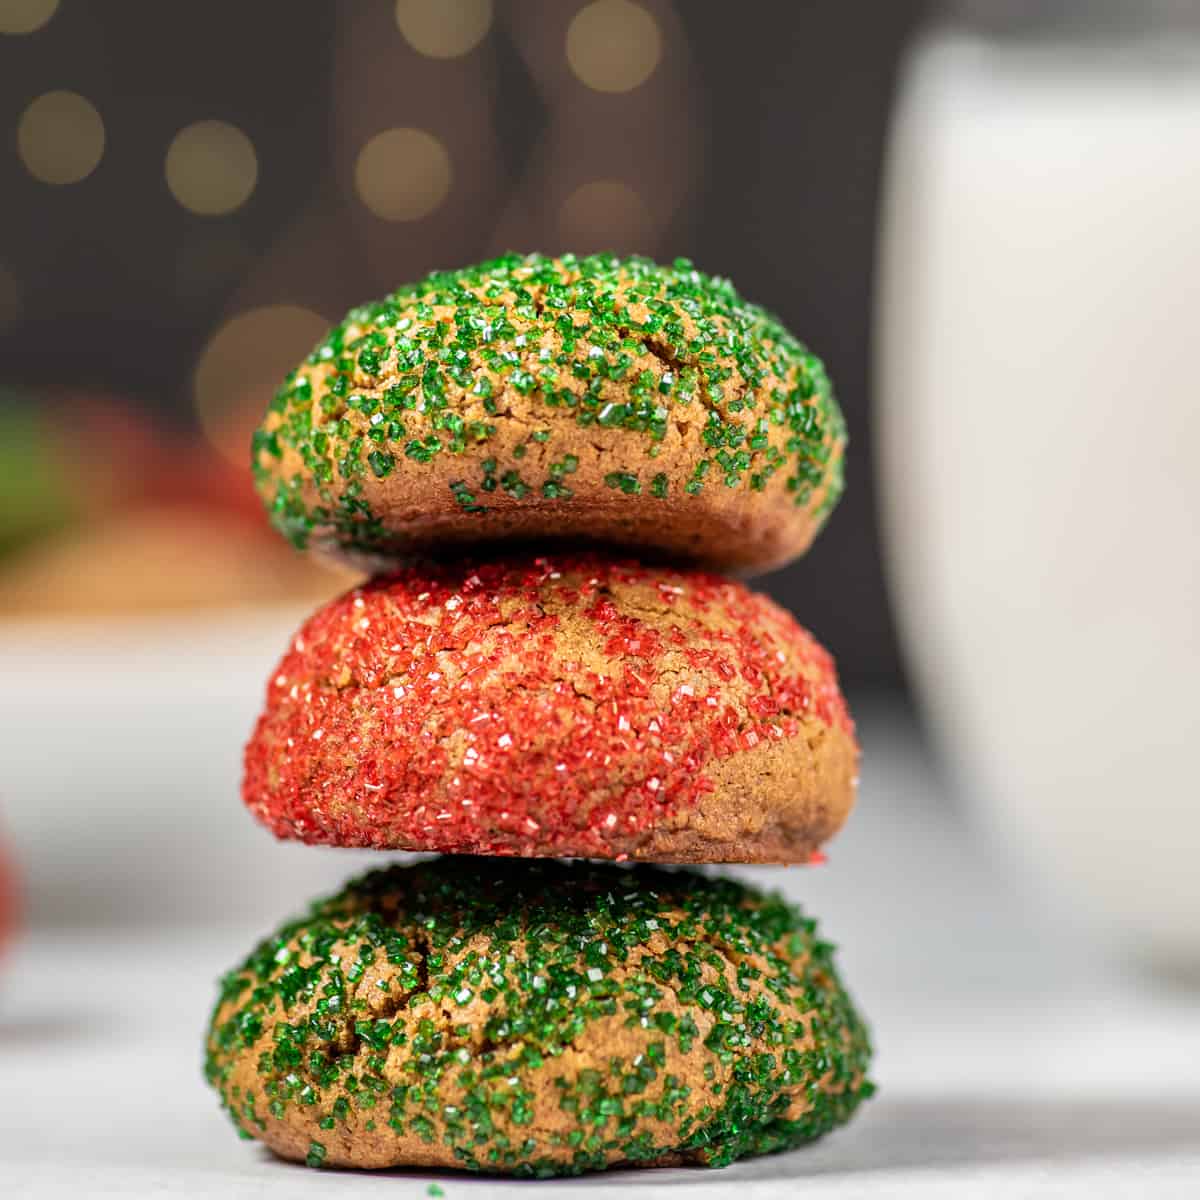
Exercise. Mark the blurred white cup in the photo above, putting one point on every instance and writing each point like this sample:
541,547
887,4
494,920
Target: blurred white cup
1038,414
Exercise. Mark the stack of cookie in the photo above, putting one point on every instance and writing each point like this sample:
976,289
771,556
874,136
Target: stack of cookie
542,461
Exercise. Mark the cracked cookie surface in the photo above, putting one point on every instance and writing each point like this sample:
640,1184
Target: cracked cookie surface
578,399
567,705
538,1019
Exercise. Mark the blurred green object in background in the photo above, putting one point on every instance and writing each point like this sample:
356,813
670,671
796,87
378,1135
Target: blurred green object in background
36,498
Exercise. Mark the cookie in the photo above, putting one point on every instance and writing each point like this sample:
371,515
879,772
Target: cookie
564,705
533,399
538,1019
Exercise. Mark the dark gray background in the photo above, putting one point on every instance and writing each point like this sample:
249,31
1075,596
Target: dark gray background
788,105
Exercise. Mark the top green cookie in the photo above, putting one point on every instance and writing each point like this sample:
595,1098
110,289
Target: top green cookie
531,399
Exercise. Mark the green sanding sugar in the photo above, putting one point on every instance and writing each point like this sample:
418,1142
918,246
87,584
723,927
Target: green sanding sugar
658,1013
599,341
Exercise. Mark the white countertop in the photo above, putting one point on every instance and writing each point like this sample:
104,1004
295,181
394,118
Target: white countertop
1009,1062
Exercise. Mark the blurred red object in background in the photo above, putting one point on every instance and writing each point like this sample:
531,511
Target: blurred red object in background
9,905
83,454
104,512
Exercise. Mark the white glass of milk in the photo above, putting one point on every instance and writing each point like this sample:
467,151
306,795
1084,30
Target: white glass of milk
1038,416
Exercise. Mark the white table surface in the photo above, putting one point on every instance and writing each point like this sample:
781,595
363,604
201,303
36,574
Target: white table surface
1011,1063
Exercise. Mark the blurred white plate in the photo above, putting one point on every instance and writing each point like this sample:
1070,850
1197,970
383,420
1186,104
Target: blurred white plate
121,768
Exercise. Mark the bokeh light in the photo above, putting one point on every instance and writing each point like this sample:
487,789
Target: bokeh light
613,45
606,214
60,138
441,28
211,168
242,367
403,174
10,298
25,16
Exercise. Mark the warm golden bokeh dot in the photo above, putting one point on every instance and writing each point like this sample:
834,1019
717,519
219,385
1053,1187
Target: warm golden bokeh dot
613,45
403,174
606,215
211,168
25,16
60,138
10,298
243,366
444,28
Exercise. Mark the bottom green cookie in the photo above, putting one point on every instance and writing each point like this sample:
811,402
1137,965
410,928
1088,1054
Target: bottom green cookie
538,1018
